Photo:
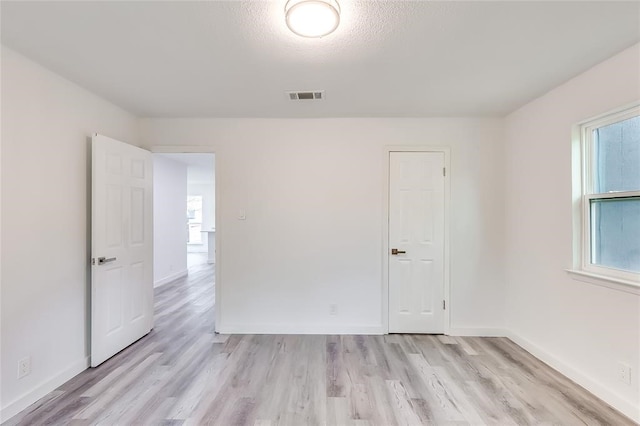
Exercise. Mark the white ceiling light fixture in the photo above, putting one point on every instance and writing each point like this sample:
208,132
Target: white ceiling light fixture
312,18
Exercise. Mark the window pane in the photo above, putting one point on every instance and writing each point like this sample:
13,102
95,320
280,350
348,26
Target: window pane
617,156
615,235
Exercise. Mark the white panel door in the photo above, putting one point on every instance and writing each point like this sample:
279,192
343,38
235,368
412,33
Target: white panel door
416,242
121,247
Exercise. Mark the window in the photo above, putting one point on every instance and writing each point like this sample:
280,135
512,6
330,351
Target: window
610,199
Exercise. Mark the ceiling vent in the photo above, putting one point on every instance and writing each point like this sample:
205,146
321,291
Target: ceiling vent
316,95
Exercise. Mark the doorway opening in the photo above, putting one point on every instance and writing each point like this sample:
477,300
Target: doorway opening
184,216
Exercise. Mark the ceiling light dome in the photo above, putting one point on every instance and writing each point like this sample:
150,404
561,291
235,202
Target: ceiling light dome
312,18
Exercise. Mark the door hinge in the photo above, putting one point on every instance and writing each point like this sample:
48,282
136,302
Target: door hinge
444,171
444,304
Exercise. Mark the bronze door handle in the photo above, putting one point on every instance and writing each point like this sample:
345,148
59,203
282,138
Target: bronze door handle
396,252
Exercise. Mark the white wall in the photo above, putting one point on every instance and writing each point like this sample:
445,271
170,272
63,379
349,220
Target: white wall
1,303
169,220
581,329
46,123
313,194
208,193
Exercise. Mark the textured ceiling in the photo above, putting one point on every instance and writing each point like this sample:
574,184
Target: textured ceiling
387,58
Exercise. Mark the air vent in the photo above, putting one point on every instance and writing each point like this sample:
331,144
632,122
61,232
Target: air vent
317,95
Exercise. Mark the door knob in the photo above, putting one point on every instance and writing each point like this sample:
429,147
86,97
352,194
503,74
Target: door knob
396,252
103,260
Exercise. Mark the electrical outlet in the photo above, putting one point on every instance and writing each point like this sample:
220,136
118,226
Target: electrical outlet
333,309
624,373
24,367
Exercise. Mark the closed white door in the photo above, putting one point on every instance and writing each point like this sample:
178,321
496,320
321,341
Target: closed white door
121,247
416,242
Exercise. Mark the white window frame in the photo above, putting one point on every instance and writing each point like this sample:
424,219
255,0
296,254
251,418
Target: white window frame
584,193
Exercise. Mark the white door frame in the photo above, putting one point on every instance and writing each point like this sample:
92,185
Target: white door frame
385,228
196,149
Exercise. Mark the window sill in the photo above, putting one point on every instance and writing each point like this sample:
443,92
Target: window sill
627,286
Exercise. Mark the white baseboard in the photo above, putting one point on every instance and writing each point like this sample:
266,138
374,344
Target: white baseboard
477,332
340,329
626,407
298,329
43,389
172,277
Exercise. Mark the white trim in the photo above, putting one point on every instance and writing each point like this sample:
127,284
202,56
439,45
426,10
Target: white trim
626,407
605,281
387,150
187,149
43,389
612,116
587,265
577,186
583,192
385,239
477,332
172,277
288,328
203,149
613,195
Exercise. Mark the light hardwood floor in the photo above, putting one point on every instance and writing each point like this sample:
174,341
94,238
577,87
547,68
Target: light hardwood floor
182,373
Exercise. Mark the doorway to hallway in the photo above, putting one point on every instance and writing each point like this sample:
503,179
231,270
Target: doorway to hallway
184,215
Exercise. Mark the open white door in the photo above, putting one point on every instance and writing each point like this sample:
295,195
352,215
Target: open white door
416,242
121,246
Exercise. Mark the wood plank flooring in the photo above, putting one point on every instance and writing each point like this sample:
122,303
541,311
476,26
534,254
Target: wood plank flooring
184,374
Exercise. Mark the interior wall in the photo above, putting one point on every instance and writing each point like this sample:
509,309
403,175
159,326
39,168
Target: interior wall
208,193
582,329
169,220
46,125
1,303
312,191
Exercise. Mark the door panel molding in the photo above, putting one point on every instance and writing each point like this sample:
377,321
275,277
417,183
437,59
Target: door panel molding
121,246
385,228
